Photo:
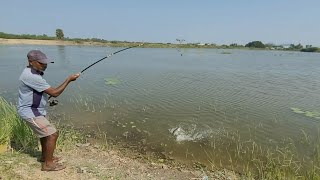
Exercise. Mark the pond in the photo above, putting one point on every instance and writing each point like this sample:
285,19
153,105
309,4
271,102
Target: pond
194,107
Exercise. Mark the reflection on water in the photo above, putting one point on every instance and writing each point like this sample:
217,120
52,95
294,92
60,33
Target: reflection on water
182,105
62,56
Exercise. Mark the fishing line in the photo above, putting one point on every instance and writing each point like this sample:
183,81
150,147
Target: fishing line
180,43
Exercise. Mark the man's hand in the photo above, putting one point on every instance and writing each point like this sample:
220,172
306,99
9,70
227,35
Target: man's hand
73,77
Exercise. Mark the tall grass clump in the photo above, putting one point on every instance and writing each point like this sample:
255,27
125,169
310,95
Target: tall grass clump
13,130
6,116
16,133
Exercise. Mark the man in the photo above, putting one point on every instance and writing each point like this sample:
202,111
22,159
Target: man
33,97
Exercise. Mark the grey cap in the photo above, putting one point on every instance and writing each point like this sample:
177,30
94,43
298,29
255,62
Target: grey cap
36,55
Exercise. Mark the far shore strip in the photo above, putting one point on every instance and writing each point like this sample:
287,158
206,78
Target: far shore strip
46,42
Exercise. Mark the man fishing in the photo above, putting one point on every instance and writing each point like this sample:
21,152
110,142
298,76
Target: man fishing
33,97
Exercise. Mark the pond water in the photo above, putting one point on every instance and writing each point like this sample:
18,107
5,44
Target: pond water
190,107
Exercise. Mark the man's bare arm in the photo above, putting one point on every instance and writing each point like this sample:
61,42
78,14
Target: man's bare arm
57,91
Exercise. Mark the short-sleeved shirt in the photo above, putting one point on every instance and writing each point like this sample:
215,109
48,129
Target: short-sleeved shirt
32,99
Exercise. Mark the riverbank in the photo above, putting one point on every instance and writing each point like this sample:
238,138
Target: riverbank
94,161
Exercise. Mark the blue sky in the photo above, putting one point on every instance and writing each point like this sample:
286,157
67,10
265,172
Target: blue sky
206,21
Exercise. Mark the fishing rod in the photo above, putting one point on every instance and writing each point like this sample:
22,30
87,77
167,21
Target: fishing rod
109,56
53,102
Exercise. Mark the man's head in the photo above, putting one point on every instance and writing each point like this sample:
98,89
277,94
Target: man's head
38,60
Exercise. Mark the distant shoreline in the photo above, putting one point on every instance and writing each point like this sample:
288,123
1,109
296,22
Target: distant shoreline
49,42
4,41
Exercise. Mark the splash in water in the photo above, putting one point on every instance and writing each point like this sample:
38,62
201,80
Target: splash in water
189,133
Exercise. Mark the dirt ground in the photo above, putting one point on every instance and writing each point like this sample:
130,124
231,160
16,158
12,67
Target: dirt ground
93,162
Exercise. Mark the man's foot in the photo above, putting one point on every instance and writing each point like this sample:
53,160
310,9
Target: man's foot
55,159
53,167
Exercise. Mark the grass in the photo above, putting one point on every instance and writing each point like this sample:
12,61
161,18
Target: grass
16,133
6,114
12,129
254,161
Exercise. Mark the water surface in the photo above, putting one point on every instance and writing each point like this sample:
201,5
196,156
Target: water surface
179,105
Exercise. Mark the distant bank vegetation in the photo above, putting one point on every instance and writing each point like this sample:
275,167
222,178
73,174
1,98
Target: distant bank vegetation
311,49
250,45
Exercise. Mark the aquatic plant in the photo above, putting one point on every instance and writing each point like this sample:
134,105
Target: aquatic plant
312,114
112,81
226,52
297,110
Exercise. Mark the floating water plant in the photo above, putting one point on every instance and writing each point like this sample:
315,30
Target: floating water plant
112,81
226,52
297,110
312,114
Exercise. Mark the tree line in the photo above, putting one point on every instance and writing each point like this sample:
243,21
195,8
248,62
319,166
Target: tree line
294,47
59,35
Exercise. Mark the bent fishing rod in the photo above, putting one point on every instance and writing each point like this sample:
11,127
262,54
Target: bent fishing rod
53,102
109,56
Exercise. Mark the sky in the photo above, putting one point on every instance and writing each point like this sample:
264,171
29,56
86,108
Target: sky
195,21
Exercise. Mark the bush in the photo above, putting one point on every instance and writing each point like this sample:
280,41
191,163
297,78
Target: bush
255,44
311,49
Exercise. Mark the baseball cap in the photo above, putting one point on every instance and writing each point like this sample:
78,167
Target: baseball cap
37,55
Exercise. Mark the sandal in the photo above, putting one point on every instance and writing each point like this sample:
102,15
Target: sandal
54,167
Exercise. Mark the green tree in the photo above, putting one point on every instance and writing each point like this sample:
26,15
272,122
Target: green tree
299,46
255,44
234,45
59,34
296,47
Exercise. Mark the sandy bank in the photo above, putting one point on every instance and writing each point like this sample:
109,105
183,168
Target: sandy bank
48,42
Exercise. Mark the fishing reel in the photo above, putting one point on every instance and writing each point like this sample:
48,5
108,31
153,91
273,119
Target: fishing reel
52,101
